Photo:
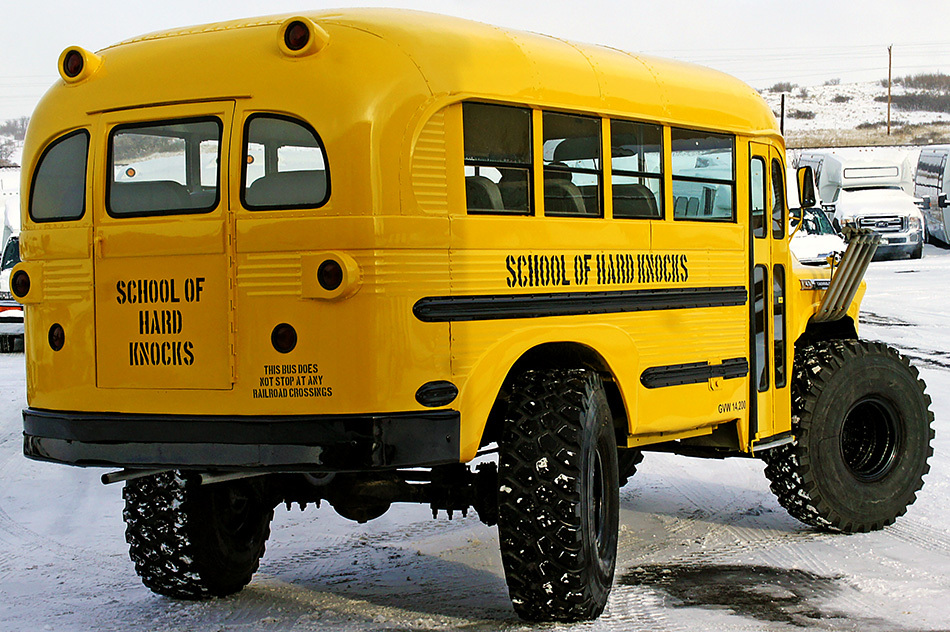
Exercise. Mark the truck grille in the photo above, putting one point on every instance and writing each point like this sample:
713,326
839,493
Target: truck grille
884,223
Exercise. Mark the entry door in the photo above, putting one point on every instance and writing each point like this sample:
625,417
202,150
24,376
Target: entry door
162,252
768,273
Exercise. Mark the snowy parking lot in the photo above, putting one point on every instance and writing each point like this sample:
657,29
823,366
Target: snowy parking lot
704,545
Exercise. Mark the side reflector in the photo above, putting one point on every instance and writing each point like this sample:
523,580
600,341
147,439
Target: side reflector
438,393
299,37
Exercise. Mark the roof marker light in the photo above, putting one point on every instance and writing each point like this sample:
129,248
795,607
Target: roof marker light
300,36
77,64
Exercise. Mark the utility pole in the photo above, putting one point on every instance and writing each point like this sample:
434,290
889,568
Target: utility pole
889,59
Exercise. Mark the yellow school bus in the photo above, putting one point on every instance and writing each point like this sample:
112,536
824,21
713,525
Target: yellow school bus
340,256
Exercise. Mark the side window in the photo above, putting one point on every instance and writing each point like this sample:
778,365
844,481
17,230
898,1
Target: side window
59,183
760,326
497,159
572,166
703,176
757,187
285,165
778,309
169,167
778,199
636,163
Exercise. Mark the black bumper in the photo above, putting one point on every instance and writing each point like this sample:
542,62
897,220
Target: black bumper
317,443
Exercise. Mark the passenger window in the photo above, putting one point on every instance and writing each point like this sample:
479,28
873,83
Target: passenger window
778,200
572,166
59,184
164,168
757,187
636,151
284,165
497,142
703,176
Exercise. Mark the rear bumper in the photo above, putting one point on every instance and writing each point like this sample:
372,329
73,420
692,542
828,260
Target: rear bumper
315,443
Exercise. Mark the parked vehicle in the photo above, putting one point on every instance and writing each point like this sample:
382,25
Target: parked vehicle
931,185
816,240
11,312
867,191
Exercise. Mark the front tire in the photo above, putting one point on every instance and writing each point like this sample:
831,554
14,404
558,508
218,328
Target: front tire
558,496
192,541
862,425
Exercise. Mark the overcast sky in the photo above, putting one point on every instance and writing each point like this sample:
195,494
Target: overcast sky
763,42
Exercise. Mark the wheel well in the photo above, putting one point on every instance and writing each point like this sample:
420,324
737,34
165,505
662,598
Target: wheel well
559,355
842,329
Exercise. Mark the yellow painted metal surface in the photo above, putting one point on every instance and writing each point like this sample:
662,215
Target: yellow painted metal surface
384,93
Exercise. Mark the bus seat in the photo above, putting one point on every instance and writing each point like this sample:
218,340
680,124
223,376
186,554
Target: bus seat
482,194
143,197
561,196
679,206
288,188
634,200
692,207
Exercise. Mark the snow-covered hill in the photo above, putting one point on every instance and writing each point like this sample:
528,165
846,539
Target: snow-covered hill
849,114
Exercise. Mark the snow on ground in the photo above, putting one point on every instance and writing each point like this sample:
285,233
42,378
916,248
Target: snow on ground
703,545
845,106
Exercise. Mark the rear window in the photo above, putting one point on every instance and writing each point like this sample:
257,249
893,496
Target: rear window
285,165
165,168
59,184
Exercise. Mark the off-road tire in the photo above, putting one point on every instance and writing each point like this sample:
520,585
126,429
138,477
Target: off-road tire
558,499
190,541
862,429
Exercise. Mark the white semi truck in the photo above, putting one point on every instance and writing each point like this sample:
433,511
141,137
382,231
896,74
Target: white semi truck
870,189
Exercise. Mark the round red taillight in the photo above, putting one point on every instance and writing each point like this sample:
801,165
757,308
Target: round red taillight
20,284
284,338
73,63
57,337
297,35
330,275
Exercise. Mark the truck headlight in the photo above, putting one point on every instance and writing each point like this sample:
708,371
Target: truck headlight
914,223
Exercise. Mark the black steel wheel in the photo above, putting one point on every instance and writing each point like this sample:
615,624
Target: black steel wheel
863,429
558,499
190,541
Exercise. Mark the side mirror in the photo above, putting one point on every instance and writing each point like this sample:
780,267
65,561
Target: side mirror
806,187
942,201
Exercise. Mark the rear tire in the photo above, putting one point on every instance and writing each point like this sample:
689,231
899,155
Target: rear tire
862,425
190,541
558,496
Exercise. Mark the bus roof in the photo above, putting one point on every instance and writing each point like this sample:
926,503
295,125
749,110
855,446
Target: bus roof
475,60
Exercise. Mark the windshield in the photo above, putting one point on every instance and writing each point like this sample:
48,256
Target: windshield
815,223
11,253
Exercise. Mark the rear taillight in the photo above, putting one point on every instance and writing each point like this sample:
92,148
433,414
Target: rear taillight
20,284
284,338
57,337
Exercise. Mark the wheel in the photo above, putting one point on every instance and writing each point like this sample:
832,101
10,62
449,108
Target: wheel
559,498
191,541
862,425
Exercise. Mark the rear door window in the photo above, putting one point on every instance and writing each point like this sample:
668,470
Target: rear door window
164,168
